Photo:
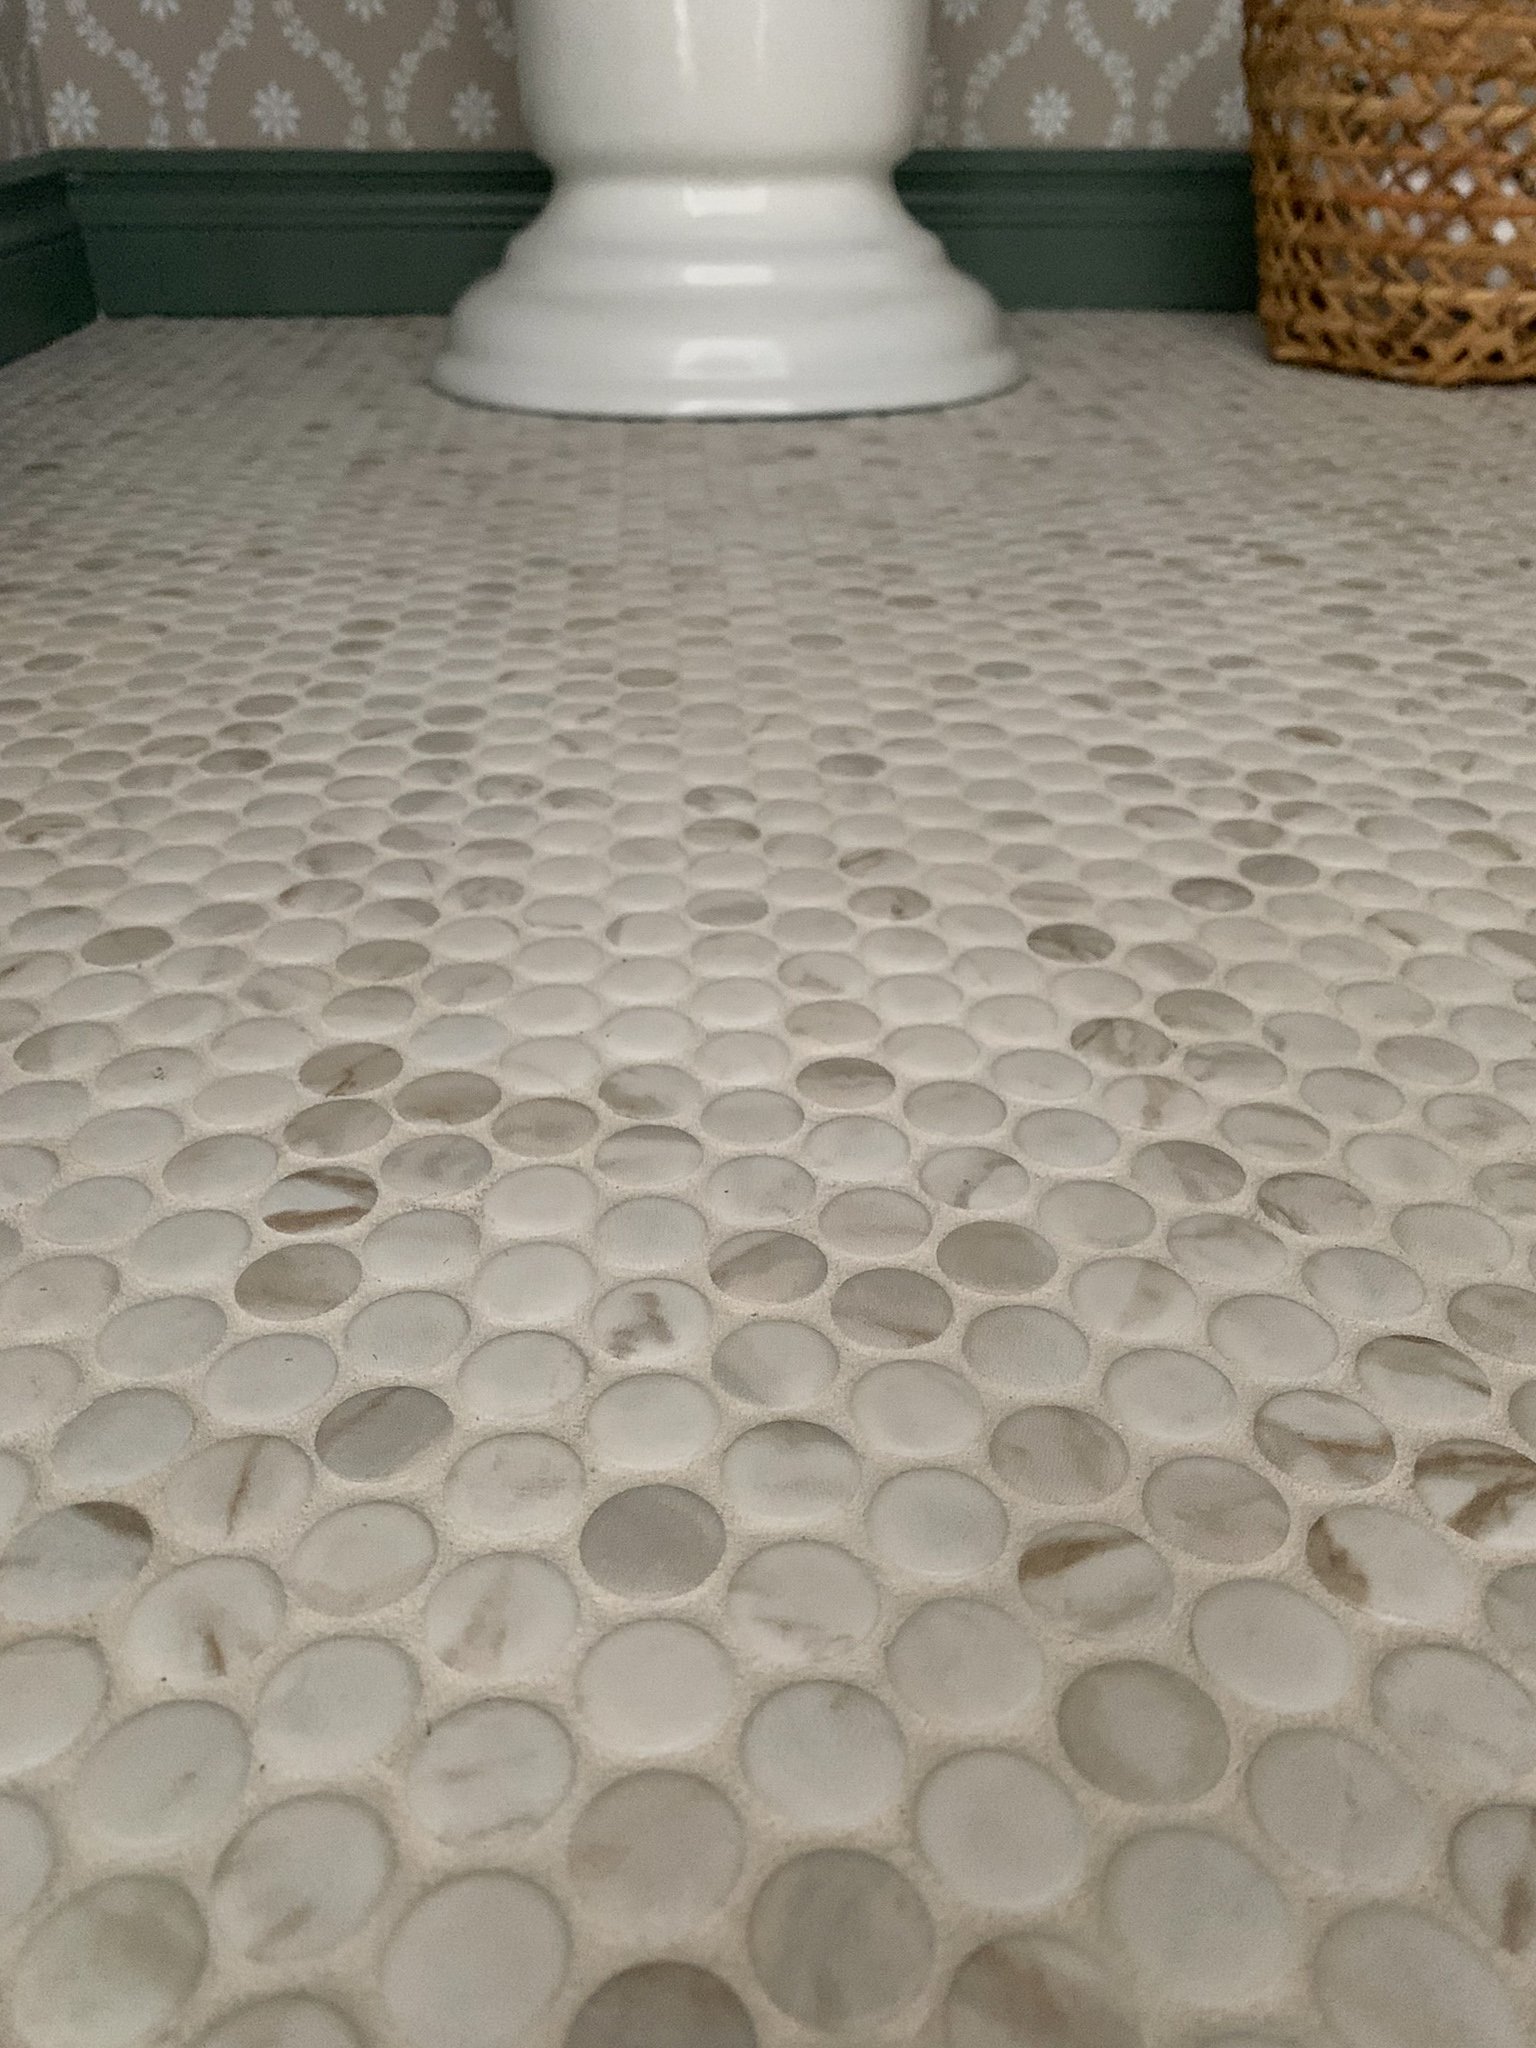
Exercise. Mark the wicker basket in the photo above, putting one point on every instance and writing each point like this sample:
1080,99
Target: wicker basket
1394,169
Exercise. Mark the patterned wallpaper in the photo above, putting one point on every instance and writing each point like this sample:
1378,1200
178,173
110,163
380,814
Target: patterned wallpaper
438,74
21,104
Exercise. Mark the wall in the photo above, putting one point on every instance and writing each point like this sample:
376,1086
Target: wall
437,74
22,131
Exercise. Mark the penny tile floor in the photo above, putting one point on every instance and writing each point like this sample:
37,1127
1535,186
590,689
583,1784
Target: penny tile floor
768,1209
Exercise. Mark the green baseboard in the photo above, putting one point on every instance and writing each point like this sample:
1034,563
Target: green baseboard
45,285
282,231
290,231
1160,229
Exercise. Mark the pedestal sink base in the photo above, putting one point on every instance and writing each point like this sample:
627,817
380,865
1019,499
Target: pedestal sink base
726,298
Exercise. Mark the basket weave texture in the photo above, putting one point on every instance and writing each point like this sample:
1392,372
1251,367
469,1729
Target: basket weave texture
1394,169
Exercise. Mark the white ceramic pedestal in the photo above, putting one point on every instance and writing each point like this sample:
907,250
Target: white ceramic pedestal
724,238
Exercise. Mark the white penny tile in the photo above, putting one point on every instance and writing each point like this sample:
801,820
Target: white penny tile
767,1212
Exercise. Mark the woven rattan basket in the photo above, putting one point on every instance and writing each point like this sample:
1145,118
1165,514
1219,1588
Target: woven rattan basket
1394,170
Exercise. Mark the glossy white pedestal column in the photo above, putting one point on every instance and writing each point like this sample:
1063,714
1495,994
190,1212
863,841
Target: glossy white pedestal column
724,238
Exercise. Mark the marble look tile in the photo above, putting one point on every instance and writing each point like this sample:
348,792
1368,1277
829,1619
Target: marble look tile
767,1237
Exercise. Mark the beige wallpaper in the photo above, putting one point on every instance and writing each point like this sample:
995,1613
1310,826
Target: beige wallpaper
21,104
438,74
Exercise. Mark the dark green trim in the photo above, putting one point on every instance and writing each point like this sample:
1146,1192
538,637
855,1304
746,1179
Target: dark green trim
282,231
1168,229
231,231
45,287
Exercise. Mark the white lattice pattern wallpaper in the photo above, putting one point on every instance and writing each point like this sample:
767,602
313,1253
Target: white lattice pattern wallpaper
439,74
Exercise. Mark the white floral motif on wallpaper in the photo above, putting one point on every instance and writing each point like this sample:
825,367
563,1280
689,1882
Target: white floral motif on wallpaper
473,113
276,113
73,115
420,74
1049,114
